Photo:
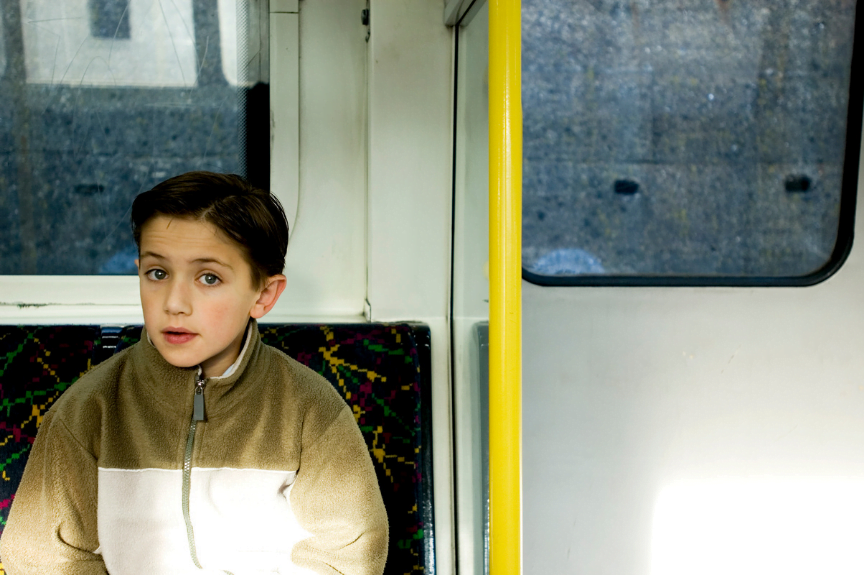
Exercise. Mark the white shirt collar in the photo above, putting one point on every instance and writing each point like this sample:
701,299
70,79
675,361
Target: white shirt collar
233,367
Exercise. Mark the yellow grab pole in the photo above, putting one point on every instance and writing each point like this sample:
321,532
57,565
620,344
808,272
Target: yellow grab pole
505,286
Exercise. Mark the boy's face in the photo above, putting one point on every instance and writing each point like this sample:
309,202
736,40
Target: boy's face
197,293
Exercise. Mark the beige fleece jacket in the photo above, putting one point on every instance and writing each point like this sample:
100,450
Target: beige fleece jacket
278,477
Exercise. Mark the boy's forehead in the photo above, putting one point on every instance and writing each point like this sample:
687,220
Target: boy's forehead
183,236
160,223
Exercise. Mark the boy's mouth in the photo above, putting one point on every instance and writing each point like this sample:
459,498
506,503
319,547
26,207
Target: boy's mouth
177,335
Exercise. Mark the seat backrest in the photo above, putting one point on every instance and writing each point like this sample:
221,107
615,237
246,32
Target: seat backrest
381,370
37,364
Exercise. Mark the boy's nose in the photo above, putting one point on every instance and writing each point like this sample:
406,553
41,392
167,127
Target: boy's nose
177,300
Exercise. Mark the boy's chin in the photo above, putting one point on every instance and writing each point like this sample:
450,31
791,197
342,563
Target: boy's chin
181,360
182,365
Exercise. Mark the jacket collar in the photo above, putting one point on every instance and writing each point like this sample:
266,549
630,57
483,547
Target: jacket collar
174,387
243,351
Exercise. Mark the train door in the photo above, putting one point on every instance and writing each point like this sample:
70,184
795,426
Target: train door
692,396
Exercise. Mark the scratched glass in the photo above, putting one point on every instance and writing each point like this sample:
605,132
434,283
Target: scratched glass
684,137
102,99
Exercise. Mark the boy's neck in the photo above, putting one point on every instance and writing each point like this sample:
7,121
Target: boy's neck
226,363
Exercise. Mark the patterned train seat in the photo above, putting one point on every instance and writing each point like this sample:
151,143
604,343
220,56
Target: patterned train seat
381,370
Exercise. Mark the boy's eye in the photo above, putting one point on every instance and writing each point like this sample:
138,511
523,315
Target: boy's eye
157,274
210,279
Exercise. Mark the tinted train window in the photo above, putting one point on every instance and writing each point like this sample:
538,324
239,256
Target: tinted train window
102,99
687,139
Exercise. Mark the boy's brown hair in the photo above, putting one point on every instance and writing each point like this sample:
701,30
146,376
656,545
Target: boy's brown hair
250,217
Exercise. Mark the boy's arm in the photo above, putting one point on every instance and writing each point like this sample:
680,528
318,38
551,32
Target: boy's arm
52,524
336,498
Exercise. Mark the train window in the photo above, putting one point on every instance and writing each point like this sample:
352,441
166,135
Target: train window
691,143
105,98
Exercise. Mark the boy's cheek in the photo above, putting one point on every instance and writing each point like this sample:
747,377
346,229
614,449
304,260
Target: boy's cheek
150,306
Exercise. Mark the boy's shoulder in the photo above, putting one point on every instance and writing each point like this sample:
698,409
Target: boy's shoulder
91,393
311,391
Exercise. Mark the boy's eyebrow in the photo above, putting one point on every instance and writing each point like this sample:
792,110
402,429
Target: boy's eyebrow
195,261
211,260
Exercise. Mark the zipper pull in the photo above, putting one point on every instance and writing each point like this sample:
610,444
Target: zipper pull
198,402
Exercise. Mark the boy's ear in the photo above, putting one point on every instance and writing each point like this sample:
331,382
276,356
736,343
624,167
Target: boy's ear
138,264
273,288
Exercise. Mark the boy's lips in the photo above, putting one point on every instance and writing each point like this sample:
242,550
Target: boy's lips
177,335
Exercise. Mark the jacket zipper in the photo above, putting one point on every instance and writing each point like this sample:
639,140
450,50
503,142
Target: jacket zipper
197,415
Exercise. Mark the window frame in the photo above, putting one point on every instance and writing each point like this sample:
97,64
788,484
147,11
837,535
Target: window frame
845,228
115,298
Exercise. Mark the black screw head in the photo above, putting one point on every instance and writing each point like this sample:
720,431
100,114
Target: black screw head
626,187
797,183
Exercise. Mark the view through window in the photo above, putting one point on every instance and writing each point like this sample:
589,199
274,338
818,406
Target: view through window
105,98
684,137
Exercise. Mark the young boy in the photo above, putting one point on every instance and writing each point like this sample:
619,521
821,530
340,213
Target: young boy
200,449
